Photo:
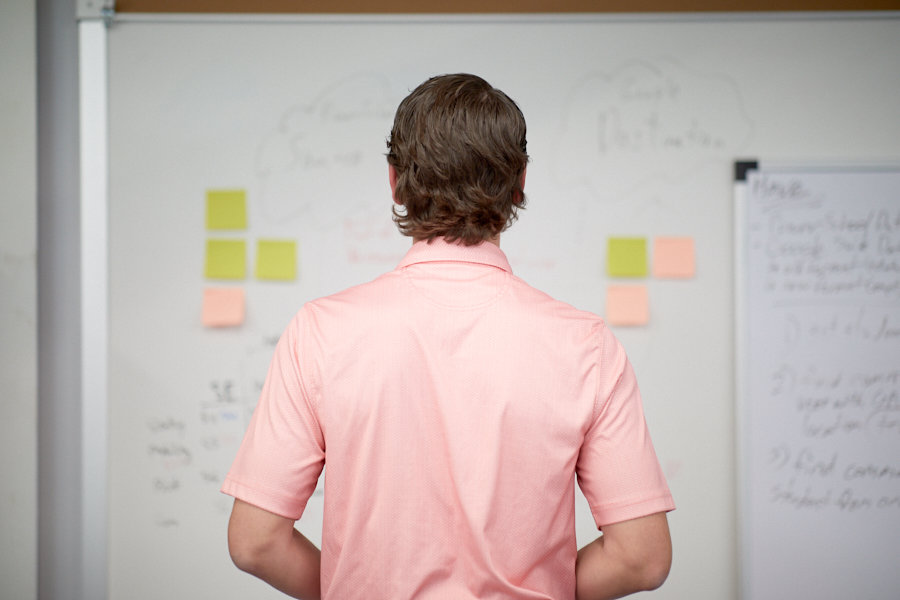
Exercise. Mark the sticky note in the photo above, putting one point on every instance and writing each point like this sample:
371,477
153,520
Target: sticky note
673,257
276,259
626,257
223,307
226,259
226,209
627,305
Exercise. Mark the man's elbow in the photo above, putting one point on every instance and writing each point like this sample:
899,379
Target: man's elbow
653,569
655,575
244,558
248,555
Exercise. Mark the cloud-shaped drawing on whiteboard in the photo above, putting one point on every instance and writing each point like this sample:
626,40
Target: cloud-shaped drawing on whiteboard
325,159
644,121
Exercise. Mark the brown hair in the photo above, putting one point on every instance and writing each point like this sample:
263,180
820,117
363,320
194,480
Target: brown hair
458,147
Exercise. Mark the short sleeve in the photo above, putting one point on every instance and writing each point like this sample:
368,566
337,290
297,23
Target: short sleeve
283,451
617,468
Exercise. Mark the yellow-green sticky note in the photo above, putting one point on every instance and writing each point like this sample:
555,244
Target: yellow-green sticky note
226,209
626,257
226,259
276,259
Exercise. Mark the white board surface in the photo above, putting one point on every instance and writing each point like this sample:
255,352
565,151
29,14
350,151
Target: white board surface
821,410
633,128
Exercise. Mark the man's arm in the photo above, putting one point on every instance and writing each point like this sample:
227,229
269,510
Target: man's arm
267,545
629,557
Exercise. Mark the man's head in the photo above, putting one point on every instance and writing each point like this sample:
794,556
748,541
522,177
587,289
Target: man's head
458,153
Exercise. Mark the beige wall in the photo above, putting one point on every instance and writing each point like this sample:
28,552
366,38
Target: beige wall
18,300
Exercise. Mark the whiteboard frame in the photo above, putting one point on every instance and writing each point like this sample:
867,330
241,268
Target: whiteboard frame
110,17
741,351
94,202
94,199
740,372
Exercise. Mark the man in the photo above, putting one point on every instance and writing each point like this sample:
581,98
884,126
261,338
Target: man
452,403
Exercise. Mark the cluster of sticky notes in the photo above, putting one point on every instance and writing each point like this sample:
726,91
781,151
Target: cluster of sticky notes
276,260
626,257
226,258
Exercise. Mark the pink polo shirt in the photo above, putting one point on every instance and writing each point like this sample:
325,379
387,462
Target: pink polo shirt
453,405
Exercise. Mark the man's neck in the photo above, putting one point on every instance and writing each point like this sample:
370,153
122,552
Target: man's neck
494,240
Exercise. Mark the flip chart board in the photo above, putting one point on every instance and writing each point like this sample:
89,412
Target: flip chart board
633,128
821,395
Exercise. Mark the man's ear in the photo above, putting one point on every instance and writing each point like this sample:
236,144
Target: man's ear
392,179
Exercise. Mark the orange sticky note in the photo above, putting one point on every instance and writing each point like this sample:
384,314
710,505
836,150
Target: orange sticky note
223,307
627,305
673,257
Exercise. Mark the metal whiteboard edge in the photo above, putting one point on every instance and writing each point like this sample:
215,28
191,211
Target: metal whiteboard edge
744,530
826,165
494,18
93,172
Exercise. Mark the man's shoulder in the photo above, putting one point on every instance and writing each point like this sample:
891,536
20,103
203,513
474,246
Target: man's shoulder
378,291
526,295
384,284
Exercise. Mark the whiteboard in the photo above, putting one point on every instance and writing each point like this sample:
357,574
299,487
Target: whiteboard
633,127
821,402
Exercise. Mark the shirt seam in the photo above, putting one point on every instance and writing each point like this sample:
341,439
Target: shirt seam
309,398
257,488
493,300
456,259
630,501
452,253
595,414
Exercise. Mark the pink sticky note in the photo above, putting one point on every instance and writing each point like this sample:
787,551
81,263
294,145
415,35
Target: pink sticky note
627,305
223,307
673,257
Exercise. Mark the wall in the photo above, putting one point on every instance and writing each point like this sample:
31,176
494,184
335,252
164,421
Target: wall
18,301
59,289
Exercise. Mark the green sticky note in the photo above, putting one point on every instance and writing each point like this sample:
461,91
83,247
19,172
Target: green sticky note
226,209
626,257
226,259
276,259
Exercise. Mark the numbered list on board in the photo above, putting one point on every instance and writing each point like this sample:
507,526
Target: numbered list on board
823,333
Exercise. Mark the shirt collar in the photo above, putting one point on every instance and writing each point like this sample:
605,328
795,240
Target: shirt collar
440,250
